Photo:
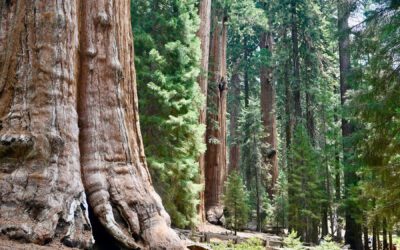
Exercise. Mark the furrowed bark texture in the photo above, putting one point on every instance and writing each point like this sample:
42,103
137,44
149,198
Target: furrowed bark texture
114,167
46,90
268,114
204,35
42,198
215,168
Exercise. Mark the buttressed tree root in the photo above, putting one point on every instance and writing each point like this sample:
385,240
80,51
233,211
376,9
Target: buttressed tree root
69,120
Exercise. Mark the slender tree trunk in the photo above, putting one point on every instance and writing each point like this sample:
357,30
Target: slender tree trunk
258,200
378,240
288,133
234,151
374,237
327,206
204,35
385,236
353,228
215,168
246,75
296,63
338,186
365,232
268,112
310,117
46,90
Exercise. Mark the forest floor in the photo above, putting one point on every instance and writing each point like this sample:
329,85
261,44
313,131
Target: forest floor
208,234
6,244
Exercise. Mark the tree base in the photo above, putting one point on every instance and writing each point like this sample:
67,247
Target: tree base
215,215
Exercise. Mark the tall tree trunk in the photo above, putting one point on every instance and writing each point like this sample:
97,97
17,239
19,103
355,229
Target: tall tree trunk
268,106
385,236
46,89
215,168
310,116
39,148
296,63
338,184
353,228
204,35
234,150
246,75
326,206
374,237
366,240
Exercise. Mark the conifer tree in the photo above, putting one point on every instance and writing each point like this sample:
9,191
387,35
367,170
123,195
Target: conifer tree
167,62
236,201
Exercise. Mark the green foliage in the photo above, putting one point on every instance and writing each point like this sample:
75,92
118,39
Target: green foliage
328,244
253,150
375,106
250,244
306,198
292,241
167,54
235,201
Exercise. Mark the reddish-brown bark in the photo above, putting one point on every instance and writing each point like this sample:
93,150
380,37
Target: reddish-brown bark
234,150
215,168
268,113
66,63
204,35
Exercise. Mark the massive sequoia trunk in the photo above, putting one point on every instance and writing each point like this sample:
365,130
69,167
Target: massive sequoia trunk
65,63
204,35
268,113
215,168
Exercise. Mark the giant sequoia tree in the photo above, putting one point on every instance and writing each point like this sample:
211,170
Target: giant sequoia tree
215,157
69,125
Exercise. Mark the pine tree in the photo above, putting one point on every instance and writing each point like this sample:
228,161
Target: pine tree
236,202
376,109
305,203
167,61
254,150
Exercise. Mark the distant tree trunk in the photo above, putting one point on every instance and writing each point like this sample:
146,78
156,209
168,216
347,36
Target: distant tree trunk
46,89
258,194
338,183
268,106
374,237
246,75
234,150
288,138
296,63
326,206
385,236
365,233
310,116
215,168
353,228
204,35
